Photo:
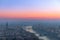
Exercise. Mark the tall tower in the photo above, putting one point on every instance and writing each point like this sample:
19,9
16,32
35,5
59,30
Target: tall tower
6,32
7,24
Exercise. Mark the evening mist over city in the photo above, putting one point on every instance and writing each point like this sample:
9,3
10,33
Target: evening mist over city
29,19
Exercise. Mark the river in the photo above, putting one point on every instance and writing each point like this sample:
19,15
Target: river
30,29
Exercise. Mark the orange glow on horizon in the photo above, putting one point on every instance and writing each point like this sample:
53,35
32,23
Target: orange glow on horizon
40,15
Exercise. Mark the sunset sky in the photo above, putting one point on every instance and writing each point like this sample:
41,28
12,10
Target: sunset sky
41,9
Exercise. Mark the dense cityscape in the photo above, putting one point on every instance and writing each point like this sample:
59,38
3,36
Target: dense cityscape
15,33
29,19
29,31
52,32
